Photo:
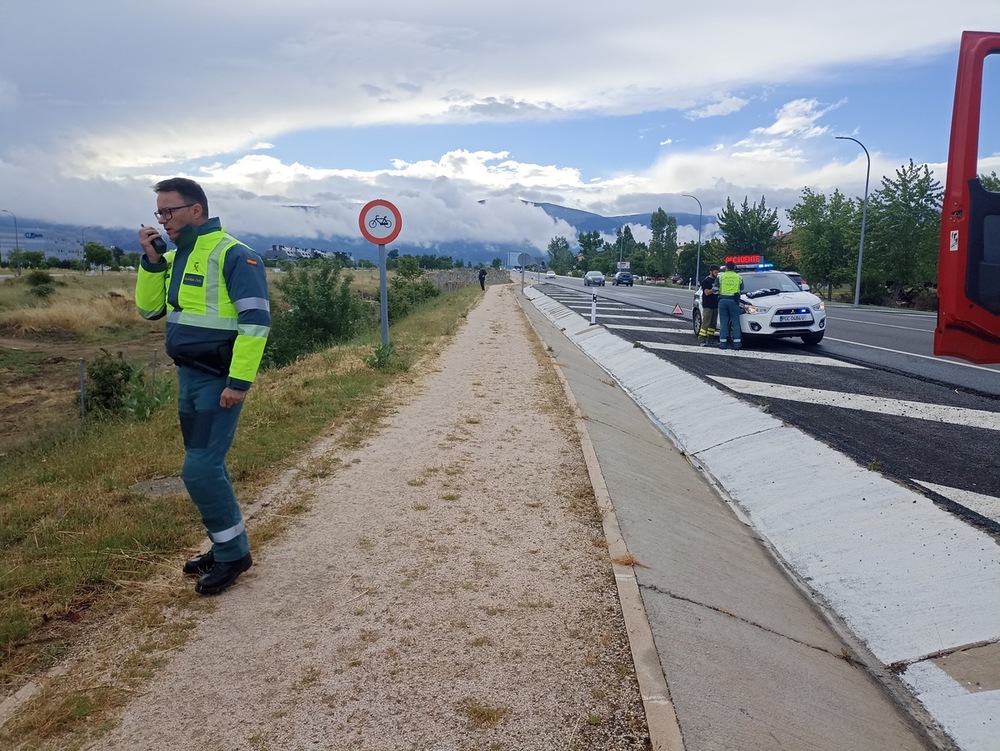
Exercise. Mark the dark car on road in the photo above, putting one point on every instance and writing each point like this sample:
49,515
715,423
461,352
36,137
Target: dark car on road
623,277
593,279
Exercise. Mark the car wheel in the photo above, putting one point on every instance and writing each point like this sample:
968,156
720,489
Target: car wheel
696,321
813,337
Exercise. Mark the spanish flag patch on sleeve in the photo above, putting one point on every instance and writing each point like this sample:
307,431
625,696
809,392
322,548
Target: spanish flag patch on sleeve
251,261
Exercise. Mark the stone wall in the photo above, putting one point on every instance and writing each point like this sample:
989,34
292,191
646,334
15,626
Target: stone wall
448,280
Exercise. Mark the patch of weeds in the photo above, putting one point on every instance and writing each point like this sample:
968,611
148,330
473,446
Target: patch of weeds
628,560
450,496
420,507
385,357
472,420
310,677
418,483
483,715
481,641
875,465
594,720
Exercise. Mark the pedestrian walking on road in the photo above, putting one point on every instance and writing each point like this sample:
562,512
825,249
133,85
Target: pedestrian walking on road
709,306
728,286
213,291
482,277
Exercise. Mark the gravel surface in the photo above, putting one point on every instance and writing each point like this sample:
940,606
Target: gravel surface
449,588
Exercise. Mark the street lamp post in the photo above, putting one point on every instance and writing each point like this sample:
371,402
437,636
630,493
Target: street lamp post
864,218
8,211
697,263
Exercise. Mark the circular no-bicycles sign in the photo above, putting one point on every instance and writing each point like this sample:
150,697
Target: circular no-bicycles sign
380,222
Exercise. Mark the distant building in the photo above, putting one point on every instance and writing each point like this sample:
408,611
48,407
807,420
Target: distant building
293,253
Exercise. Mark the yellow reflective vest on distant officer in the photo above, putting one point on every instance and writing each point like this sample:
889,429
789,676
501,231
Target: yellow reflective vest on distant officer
213,291
729,284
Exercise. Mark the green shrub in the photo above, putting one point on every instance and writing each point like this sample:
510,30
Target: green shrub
403,295
39,278
114,388
322,311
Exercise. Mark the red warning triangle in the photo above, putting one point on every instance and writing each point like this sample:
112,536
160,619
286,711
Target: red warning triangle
677,310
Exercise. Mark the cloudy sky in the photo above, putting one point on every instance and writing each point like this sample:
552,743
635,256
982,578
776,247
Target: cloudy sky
613,108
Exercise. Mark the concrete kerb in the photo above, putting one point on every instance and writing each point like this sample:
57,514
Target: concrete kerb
902,620
661,719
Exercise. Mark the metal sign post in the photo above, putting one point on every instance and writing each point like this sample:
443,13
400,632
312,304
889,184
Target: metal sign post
380,223
593,309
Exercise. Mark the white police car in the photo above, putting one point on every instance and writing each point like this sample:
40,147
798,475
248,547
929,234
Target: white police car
774,306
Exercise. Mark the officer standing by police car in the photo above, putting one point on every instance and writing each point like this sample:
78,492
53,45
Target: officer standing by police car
213,291
728,286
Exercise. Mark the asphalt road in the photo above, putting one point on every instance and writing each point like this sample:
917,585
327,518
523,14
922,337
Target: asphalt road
870,389
895,340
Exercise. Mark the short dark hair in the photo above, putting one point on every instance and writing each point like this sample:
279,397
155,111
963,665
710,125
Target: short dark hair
188,189
713,267
730,265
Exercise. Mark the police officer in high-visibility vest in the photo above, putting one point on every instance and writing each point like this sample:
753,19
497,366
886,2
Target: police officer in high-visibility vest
728,286
213,291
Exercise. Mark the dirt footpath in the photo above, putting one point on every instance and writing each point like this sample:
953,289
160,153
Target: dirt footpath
450,587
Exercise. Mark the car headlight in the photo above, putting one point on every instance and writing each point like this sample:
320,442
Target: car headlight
754,309
819,306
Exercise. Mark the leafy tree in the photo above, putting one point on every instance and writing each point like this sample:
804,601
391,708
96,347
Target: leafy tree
561,258
497,263
663,245
904,225
408,267
591,246
991,182
34,259
15,260
751,229
713,251
825,233
97,255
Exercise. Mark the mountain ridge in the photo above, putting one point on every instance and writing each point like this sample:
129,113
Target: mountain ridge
66,240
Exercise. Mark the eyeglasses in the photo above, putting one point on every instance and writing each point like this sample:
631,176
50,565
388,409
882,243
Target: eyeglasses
168,214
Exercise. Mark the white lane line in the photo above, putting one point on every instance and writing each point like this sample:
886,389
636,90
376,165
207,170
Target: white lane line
828,362
657,329
973,418
986,505
941,360
884,325
636,318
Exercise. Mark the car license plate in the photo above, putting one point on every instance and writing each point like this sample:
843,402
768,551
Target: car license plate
795,317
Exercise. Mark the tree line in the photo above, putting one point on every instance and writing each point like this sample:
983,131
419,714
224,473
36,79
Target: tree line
902,232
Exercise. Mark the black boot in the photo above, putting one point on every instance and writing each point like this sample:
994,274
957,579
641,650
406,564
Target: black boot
200,564
223,575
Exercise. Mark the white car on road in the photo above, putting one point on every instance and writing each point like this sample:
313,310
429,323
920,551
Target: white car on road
773,307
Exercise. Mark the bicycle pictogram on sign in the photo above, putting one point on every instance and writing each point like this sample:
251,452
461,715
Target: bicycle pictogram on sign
380,222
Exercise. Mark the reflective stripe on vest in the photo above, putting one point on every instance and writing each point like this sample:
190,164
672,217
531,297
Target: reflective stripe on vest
214,314
729,283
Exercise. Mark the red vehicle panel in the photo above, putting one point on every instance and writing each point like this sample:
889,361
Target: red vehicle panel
969,258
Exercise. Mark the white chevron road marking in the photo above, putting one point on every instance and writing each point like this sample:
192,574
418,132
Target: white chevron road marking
827,362
985,505
973,418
